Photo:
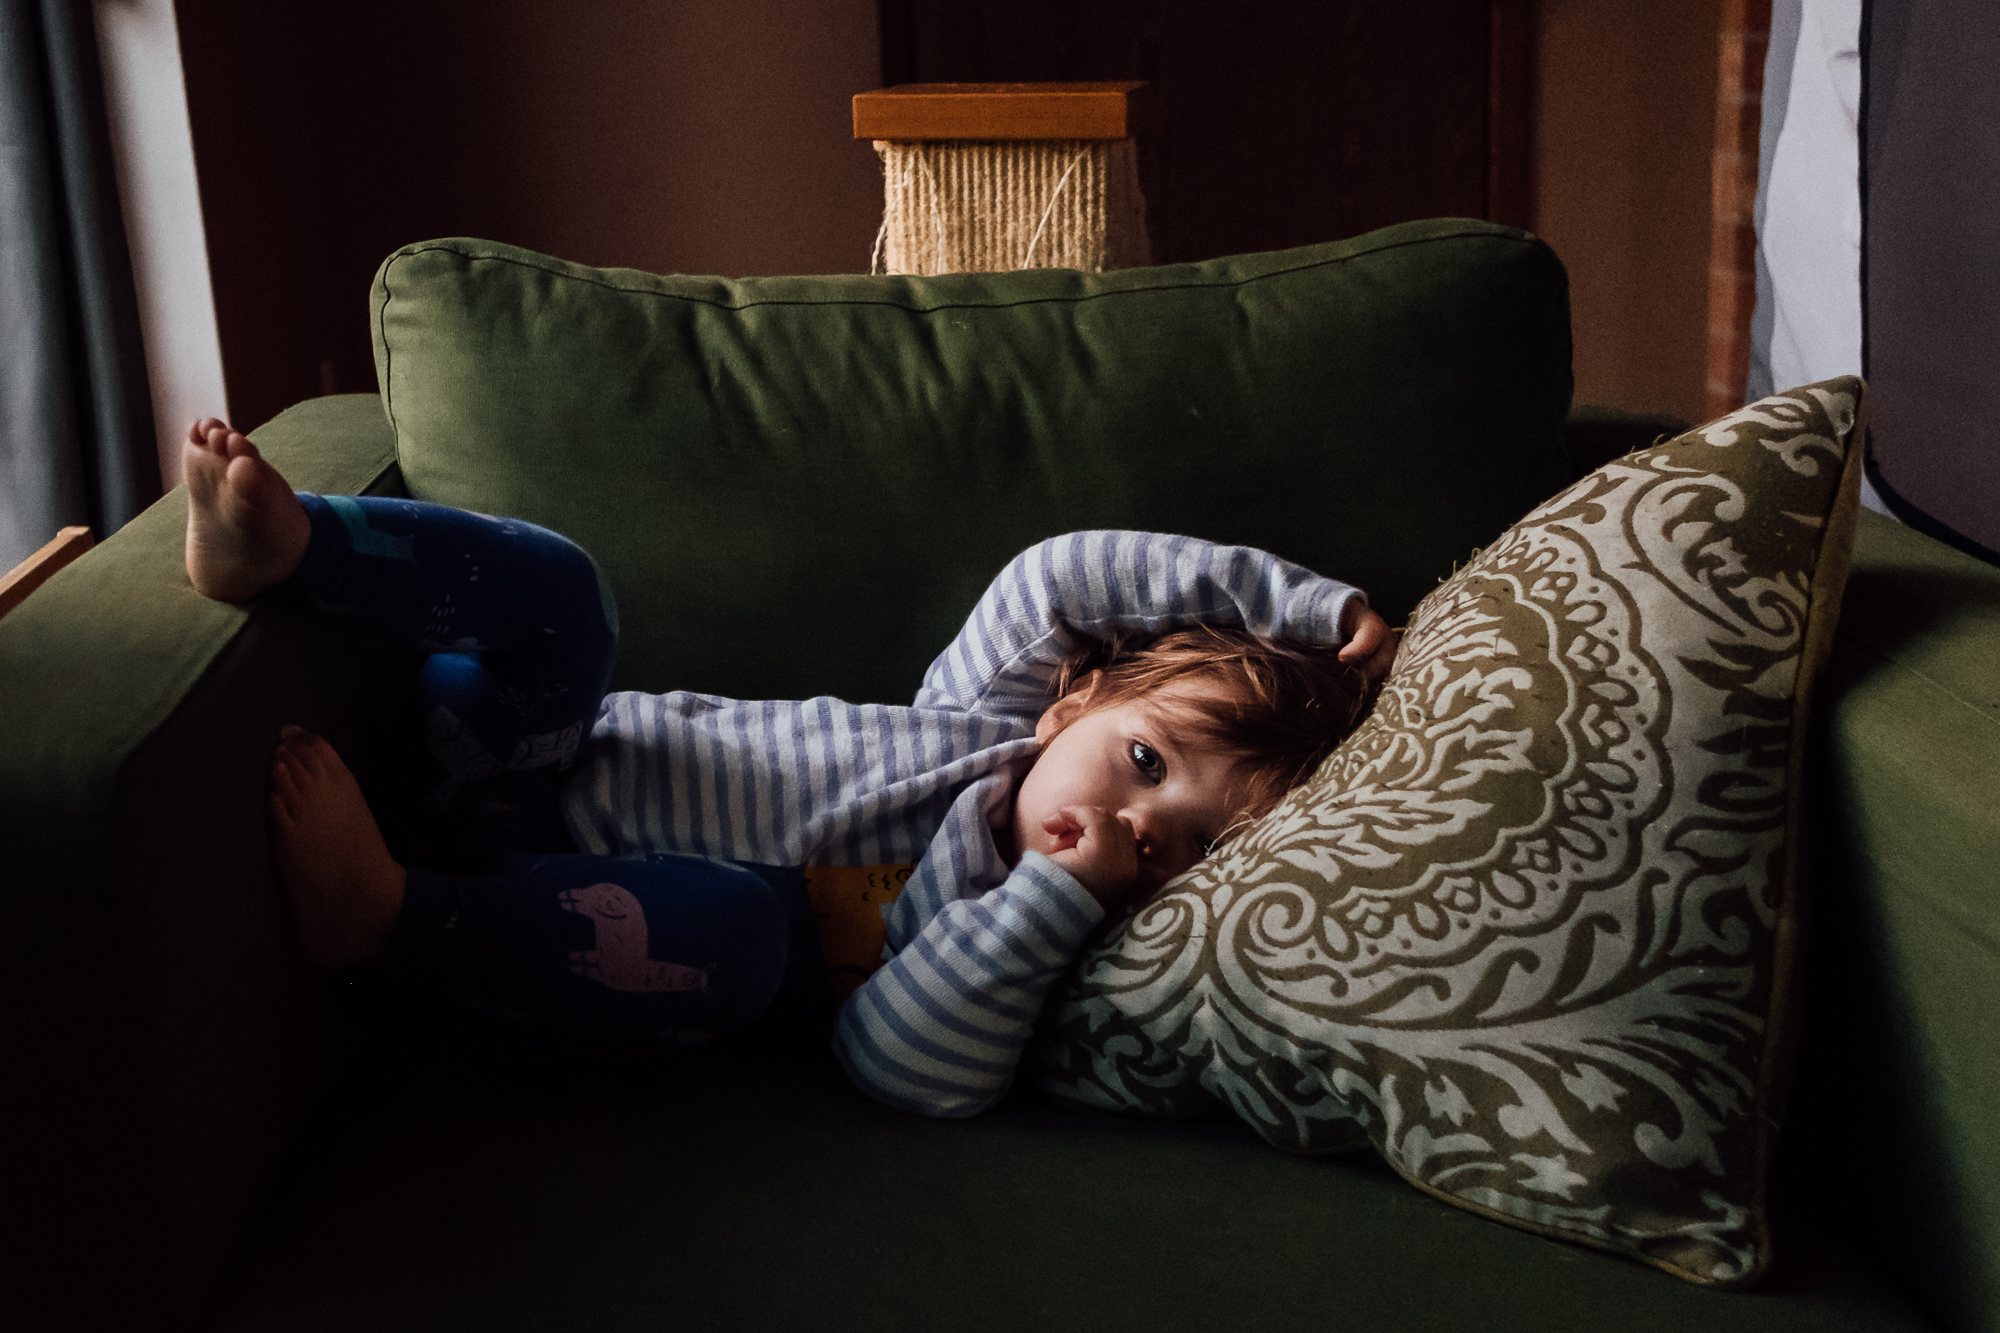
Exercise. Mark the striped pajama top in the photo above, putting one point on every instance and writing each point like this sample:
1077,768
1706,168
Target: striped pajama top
974,945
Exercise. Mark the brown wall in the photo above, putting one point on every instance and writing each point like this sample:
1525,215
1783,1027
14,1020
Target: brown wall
1274,124
1624,135
706,136
713,136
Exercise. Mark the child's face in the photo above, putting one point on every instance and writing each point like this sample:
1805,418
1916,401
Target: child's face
1133,762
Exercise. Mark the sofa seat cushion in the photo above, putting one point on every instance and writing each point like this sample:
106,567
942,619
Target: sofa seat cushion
467,1178
1531,930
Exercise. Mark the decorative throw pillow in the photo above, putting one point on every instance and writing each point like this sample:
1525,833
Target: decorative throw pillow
1531,931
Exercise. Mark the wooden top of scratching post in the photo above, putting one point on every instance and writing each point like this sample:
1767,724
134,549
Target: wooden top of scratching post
999,111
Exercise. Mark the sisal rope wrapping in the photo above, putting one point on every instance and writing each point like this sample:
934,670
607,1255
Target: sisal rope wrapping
982,207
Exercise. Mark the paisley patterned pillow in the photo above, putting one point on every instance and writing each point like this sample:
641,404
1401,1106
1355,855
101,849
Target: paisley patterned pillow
1531,930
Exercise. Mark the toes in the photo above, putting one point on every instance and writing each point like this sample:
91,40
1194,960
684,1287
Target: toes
200,458
287,763
304,768
243,476
251,479
284,791
224,440
315,757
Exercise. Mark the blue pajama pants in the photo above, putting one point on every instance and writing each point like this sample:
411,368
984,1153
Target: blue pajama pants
500,910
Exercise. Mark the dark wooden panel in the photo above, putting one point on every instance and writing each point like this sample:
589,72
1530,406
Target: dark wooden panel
1281,123
1930,142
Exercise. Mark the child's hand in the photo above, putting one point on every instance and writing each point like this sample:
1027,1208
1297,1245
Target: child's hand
1099,849
1371,645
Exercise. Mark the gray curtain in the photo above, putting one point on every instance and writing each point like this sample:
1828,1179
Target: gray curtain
76,420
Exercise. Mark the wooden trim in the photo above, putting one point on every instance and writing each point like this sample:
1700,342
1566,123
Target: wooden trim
1732,257
38,568
1510,113
997,111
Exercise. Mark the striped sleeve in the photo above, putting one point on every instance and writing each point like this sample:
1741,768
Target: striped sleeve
941,1026
1095,582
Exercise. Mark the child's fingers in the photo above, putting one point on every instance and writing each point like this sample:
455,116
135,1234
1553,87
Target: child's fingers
1372,659
1064,828
1385,656
1105,858
1096,826
1365,638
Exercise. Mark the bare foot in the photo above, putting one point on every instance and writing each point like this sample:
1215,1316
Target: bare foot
345,887
246,530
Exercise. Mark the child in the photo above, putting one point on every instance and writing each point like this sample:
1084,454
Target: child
1117,705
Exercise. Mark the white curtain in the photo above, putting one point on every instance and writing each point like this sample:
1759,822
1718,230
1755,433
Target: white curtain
1807,324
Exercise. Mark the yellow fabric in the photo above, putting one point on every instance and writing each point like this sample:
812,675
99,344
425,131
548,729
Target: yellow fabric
847,904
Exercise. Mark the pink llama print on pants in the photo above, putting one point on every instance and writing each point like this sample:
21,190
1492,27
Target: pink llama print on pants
619,960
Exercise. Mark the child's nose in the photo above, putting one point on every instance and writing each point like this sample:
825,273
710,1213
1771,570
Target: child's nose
1144,825
1155,831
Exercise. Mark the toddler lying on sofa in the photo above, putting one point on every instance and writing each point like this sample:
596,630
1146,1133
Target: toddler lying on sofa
1118,704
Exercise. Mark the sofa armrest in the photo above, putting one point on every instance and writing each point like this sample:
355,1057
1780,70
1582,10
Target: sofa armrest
109,648
1897,1107
160,1038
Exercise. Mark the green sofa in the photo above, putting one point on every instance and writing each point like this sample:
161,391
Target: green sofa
799,486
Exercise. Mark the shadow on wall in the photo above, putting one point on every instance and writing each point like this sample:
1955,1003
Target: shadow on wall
708,137
1624,140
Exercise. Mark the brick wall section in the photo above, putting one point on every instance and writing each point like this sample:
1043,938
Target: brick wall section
1732,271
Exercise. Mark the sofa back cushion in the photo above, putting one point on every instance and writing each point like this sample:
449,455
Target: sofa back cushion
801,485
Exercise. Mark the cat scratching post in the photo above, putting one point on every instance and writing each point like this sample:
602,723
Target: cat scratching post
982,177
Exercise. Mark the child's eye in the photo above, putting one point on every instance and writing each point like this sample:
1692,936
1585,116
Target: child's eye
1145,759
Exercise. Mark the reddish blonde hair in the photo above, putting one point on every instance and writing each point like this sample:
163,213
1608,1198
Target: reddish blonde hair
1279,705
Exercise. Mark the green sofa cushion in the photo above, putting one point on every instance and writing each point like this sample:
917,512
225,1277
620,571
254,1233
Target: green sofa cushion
801,485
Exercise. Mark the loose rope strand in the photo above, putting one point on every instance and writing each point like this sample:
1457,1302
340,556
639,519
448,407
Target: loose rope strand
1028,260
